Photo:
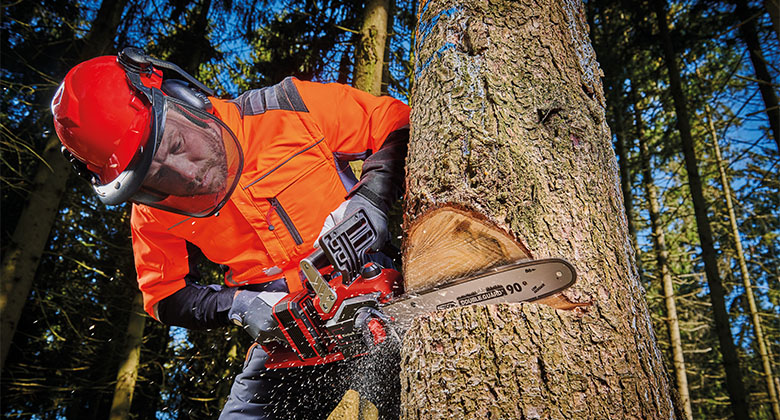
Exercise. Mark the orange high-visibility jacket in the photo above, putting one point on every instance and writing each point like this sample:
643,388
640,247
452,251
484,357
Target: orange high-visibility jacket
295,136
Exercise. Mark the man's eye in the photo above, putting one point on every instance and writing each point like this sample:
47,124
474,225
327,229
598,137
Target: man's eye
177,145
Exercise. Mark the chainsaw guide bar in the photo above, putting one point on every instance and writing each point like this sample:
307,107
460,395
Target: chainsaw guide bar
523,281
350,305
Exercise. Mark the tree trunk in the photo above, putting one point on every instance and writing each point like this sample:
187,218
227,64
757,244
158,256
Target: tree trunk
510,157
370,51
624,168
128,368
747,29
32,230
662,260
29,239
191,46
734,383
773,7
766,362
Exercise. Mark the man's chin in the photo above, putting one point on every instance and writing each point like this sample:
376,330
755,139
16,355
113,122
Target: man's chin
215,188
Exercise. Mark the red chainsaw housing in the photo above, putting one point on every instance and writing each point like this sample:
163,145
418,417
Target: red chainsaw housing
315,337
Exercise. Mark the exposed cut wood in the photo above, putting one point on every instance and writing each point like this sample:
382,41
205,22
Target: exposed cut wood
450,243
352,407
561,301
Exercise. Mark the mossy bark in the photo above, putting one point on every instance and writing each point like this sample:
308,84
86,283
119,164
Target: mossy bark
127,373
508,121
370,50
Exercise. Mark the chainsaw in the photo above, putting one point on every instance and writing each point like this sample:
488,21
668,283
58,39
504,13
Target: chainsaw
351,305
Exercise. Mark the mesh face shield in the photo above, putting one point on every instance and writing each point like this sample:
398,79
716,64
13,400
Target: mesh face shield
190,164
184,161
196,165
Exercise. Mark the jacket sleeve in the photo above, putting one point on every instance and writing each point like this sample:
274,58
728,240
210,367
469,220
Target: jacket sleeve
358,125
167,277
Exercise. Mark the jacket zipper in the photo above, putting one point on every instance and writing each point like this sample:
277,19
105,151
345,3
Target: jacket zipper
288,223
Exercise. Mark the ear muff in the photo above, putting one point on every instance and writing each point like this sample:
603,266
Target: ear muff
181,90
190,90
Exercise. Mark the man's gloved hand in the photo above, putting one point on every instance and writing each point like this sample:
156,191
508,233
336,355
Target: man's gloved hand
377,217
254,312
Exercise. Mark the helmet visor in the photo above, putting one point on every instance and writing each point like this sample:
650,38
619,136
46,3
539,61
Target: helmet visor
196,164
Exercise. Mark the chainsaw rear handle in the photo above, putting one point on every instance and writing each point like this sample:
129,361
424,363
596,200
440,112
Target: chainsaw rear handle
341,247
347,243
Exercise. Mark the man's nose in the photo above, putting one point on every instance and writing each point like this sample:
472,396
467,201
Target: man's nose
186,169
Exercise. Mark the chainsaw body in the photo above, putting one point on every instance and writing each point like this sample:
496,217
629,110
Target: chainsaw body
337,316
348,303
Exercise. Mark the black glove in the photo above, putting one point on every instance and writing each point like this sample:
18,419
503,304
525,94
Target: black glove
253,311
377,217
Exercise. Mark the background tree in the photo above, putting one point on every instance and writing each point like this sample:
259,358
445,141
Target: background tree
34,72
370,50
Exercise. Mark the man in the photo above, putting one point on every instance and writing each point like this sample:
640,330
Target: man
250,183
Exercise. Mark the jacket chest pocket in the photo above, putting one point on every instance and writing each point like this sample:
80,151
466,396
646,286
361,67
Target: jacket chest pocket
277,209
295,199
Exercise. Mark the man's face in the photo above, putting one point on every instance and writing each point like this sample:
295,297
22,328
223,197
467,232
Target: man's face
191,158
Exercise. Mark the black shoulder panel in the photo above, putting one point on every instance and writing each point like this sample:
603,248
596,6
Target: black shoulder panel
283,96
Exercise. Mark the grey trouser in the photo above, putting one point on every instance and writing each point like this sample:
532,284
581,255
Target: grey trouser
311,392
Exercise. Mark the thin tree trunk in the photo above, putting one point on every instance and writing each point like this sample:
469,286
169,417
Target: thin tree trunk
747,29
754,314
773,7
510,141
24,252
345,64
386,76
625,184
734,382
662,260
370,51
369,55
32,230
131,356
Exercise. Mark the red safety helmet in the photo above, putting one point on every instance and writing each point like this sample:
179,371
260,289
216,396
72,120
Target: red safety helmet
110,114
99,117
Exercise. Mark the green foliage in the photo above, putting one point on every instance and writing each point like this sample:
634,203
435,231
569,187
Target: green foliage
62,360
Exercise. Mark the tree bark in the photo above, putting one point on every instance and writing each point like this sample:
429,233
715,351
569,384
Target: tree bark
130,361
32,230
766,362
747,29
370,51
509,132
29,239
773,7
662,261
734,382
